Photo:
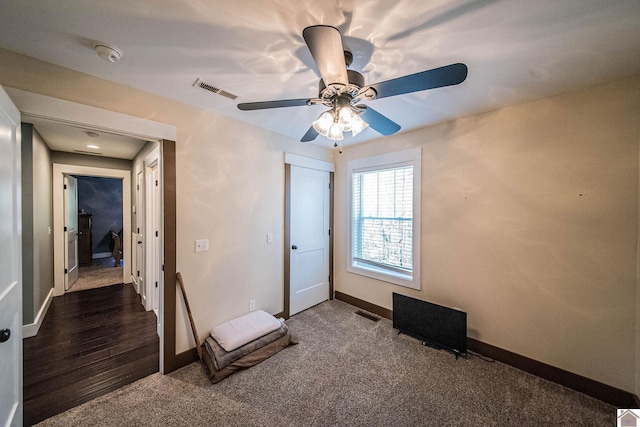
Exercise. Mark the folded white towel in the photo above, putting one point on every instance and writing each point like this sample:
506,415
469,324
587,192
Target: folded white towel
244,329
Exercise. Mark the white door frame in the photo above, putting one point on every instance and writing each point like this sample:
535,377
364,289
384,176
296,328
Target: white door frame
59,170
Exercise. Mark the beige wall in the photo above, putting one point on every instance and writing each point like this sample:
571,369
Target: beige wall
230,190
37,253
42,221
529,223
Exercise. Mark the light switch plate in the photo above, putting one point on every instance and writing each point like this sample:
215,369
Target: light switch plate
202,245
269,237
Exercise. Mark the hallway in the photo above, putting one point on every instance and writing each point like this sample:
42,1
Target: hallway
90,343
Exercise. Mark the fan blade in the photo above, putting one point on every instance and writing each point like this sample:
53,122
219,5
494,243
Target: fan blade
378,122
248,106
310,135
325,44
448,75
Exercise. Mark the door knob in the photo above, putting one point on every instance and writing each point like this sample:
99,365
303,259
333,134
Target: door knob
294,247
4,335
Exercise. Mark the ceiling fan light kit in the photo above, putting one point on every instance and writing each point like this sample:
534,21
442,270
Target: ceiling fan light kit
343,90
341,118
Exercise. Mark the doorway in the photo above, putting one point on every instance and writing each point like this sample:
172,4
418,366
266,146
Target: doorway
150,233
34,106
308,238
62,171
100,231
98,339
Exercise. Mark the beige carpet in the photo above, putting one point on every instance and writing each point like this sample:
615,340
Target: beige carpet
96,276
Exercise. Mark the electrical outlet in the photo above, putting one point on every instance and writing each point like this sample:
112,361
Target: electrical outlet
252,305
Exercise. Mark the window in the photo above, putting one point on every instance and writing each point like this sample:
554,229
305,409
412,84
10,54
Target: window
385,217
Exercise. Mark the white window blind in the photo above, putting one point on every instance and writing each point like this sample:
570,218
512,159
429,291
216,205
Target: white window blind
384,217
382,227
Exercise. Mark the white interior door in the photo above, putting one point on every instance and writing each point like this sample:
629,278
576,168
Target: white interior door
152,210
309,251
71,230
10,265
139,252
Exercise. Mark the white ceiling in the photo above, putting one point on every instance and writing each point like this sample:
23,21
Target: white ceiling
76,139
516,50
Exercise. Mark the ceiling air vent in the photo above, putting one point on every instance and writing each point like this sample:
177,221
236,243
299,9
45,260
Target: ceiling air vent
212,88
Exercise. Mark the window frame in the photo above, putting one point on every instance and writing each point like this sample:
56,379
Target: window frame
412,157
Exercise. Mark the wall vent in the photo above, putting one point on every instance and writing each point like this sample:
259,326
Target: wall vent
211,88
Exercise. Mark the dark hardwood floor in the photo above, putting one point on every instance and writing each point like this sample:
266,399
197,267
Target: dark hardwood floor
90,343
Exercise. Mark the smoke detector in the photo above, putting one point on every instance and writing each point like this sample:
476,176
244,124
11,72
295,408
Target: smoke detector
107,51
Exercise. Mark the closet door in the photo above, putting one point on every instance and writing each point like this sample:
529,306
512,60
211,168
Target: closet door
71,230
309,251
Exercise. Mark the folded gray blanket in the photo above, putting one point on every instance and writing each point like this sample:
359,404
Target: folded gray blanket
222,358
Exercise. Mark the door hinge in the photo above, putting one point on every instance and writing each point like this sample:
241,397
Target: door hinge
329,231
157,233
329,279
156,182
64,186
138,187
138,273
66,271
65,229
329,186
156,284
162,267
138,230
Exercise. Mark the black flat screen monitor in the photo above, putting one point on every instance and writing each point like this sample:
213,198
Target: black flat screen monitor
436,325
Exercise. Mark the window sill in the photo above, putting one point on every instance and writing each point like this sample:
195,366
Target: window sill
397,278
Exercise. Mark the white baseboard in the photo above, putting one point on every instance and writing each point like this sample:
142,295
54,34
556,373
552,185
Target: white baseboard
31,330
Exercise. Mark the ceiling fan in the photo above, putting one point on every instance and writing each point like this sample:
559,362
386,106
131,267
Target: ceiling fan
343,90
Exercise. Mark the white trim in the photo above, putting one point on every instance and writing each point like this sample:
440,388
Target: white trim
59,170
31,329
308,162
406,157
33,105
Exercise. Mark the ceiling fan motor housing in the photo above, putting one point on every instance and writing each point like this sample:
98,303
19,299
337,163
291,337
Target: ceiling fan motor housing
328,93
355,79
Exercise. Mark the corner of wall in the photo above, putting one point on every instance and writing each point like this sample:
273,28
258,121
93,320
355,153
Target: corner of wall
26,153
